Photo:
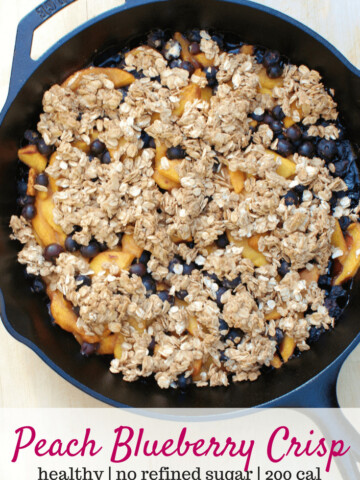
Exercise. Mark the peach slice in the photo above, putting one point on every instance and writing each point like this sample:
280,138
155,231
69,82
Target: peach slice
185,54
190,93
65,316
164,182
237,180
338,240
273,315
310,275
46,229
31,182
81,145
32,158
122,259
247,49
204,62
119,77
267,82
287,348
129,246
52,181
193,326
276,361
287,168
206,94
288,122
351,263
107,343
196,369
257,258
265,91
176,239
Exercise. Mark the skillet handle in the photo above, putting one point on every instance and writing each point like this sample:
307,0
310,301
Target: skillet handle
23,65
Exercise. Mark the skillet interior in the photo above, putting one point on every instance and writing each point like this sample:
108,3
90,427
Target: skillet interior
28,315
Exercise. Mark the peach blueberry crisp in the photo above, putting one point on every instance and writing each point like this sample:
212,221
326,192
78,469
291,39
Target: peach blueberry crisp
190,207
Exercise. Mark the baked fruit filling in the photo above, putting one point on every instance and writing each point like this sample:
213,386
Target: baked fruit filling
190,207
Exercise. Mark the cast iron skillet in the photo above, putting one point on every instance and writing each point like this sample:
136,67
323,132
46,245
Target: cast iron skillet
305,381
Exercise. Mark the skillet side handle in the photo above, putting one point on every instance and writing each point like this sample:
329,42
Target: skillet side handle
23,65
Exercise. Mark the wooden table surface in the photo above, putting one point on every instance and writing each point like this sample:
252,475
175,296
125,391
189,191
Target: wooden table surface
25,381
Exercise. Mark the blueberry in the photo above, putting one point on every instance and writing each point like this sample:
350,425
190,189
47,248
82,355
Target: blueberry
340,294
175,261
29,211
175,63
299,189
284,148
231,284
147,140
42,179
38,285
26,200
279,335
268,118
190,245
332,307
91,250
326,149
76,310
71,245
149,284
223,357
293,133
210,73
88,349
278,112
219,294
138,269
44,149
314,334
183,382
145,257
235,335
194,36
344,223
222,241
52,251
341,168
271,57
164,295
82,281
31,136
171,49
325,282
155,39
258,118
21,187
284,268
212,276
276,126
97,147
291,198
188,66
223,327
175,153
182,294
151,346
274,71
106,158
194,48
306,149
187,269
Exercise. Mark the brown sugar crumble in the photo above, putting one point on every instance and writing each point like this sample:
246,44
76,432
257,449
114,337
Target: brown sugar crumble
192,210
